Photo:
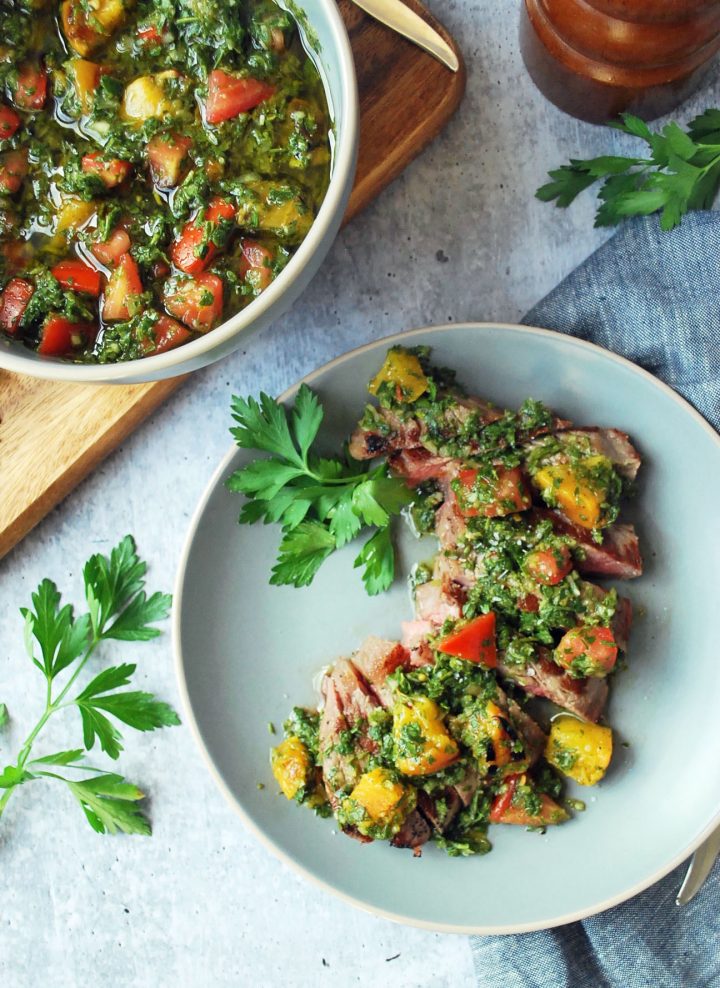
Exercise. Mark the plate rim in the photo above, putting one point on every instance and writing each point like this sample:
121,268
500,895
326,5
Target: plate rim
178,661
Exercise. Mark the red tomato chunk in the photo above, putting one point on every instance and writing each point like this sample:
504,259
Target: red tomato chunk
13,302
9,122
169,333
123,285
110,251
229,95
198,302
78,277
111,171
193,251
256,261
549,566
31,87
13,169
59,337
587,651
502,495
474,641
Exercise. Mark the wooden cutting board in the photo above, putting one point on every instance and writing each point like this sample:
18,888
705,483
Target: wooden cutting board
406,97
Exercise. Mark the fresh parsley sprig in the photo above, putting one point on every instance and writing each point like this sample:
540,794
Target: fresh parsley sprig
60,646
321,503
682,172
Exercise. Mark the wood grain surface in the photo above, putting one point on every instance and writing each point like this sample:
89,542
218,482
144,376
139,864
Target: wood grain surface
53,435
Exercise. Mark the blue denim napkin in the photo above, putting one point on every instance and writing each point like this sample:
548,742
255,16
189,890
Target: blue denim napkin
653,297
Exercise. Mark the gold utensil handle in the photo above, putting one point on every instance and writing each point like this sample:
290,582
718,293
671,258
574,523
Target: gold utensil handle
394,14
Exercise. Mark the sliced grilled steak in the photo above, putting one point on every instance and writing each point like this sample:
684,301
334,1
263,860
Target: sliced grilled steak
532,734
375,660
433,603
622,623
613,444
450,526
415,636
542,677
418,465
393,433
468,786
414,832
440,818
618,555
622,619
455,577
348,702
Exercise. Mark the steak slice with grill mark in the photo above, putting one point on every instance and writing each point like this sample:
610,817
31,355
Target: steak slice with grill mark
618,555
348,703
542,677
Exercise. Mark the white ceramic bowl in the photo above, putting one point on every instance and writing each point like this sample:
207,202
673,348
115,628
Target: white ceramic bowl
335,61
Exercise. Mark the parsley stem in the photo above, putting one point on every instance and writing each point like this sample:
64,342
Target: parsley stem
4,798
47,713
80,666
51,706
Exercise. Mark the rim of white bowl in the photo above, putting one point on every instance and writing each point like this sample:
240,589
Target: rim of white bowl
163,363
270,844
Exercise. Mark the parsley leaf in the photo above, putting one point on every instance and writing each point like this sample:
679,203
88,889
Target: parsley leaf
137,709
4,715
302,552
118,608
108,802
681,173
377,557
321,503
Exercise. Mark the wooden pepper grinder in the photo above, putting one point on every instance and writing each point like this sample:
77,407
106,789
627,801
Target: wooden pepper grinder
597,58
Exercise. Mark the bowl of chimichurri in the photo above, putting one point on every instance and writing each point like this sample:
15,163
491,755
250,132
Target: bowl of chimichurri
172,173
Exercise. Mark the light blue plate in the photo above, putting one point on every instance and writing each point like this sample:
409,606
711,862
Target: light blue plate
246,652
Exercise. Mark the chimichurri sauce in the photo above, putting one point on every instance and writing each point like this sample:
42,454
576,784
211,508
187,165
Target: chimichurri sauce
160,162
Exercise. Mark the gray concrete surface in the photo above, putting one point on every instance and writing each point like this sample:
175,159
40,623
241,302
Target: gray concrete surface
458,236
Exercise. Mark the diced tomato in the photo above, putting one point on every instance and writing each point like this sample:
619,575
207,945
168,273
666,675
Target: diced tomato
9,122
501,495
587,651
13,169
31,87
59,336
110,171
229,95
255,261
529,603
166,154
194,249
78,277
124,284
549,566
150,35
503,800
198,302
169,333
550,813
111,250
474,641
13,302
